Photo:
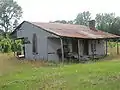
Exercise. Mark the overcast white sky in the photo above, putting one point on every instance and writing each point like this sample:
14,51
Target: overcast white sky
50,10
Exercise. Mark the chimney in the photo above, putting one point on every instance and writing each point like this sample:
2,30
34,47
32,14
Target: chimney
92,24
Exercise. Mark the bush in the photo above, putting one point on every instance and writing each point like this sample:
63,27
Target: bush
5,45
8,45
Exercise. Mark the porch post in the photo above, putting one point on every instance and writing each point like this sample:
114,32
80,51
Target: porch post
79,49
92,42
14,48
62,50
106,47
117,47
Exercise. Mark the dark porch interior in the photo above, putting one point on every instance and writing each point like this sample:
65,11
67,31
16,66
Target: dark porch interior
85,45
73,53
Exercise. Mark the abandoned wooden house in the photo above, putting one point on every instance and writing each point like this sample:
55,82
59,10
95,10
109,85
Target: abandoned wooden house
55,41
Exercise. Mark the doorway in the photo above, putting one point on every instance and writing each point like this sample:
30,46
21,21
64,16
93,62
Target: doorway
85,47
75,46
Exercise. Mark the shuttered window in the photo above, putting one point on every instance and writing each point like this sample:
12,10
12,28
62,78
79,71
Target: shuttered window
34,42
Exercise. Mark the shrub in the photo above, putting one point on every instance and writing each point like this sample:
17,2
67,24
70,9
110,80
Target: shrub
8,45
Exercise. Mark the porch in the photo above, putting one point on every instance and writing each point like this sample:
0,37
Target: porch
68,49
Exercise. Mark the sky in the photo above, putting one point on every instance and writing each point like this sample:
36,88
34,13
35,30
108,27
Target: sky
51,10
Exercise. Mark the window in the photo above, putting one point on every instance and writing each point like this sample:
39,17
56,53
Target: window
34,42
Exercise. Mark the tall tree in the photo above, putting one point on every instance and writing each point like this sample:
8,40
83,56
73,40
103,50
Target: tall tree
15,24
10,12
108,22
83,18
104,21
115,26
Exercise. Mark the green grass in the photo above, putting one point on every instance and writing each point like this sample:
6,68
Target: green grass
27,75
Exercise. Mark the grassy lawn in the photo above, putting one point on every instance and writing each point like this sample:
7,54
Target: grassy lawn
30,75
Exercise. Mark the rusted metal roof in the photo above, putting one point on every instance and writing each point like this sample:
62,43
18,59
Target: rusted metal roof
76,31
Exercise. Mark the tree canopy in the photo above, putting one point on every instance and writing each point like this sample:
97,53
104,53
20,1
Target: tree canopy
83,18
108,22
10,13
104,20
